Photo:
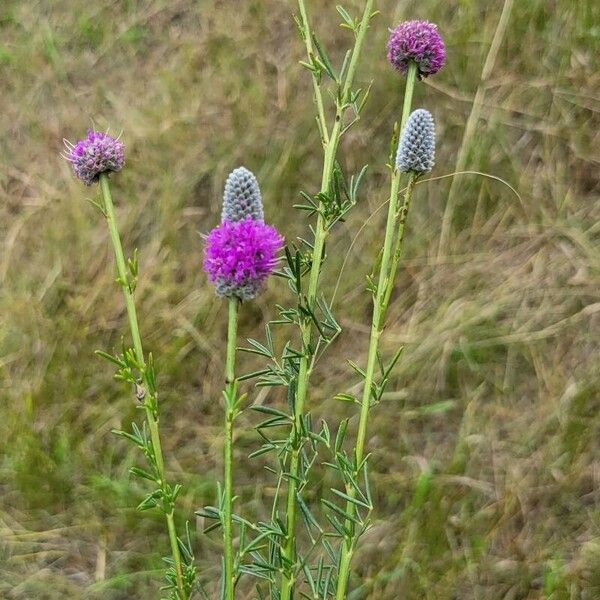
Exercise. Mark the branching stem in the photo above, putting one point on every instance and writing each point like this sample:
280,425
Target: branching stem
150,399
330,142
396,220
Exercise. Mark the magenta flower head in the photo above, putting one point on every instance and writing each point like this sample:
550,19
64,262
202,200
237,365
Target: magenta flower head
97,153
241,252
420,42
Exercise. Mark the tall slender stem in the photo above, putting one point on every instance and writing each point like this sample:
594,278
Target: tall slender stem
230,408
411,77
401,219
151,415
308,40
331,143
395,220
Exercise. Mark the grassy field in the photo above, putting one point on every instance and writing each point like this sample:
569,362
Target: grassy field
486,450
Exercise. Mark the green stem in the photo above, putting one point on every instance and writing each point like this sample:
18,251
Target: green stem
331,143
308,40
411,77
395,219
401,219
150,406
230,398
122,269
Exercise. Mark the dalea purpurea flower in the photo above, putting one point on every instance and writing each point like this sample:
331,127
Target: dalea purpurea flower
418,42
241,252
97,153
416,151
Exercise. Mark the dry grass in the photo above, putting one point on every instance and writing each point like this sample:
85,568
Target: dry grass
485,452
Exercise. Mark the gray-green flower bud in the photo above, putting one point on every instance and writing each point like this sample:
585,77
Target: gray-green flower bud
416,151
242,197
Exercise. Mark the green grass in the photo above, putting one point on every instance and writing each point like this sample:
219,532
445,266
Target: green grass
485,449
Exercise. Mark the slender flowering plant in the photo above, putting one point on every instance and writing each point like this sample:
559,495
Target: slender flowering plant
93,159
239,256
416,49
313,315
415,158
288,564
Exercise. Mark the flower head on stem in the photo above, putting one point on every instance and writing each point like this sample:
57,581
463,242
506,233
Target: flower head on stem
92,159
417,41
95,154
238,257
241,252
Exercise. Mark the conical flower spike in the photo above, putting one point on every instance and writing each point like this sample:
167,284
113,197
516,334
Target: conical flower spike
242,197
416,151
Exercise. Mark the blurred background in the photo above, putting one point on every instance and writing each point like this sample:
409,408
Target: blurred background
485,451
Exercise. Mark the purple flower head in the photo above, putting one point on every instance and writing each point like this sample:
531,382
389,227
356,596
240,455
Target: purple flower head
239,256
241,252
97,153
417,41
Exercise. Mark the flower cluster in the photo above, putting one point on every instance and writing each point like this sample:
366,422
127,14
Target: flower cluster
97,153
239,257
420,42
416,151
241,252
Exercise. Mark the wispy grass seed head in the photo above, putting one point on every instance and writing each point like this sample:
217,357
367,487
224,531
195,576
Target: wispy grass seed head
242,197
97,153
416,151
420,42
